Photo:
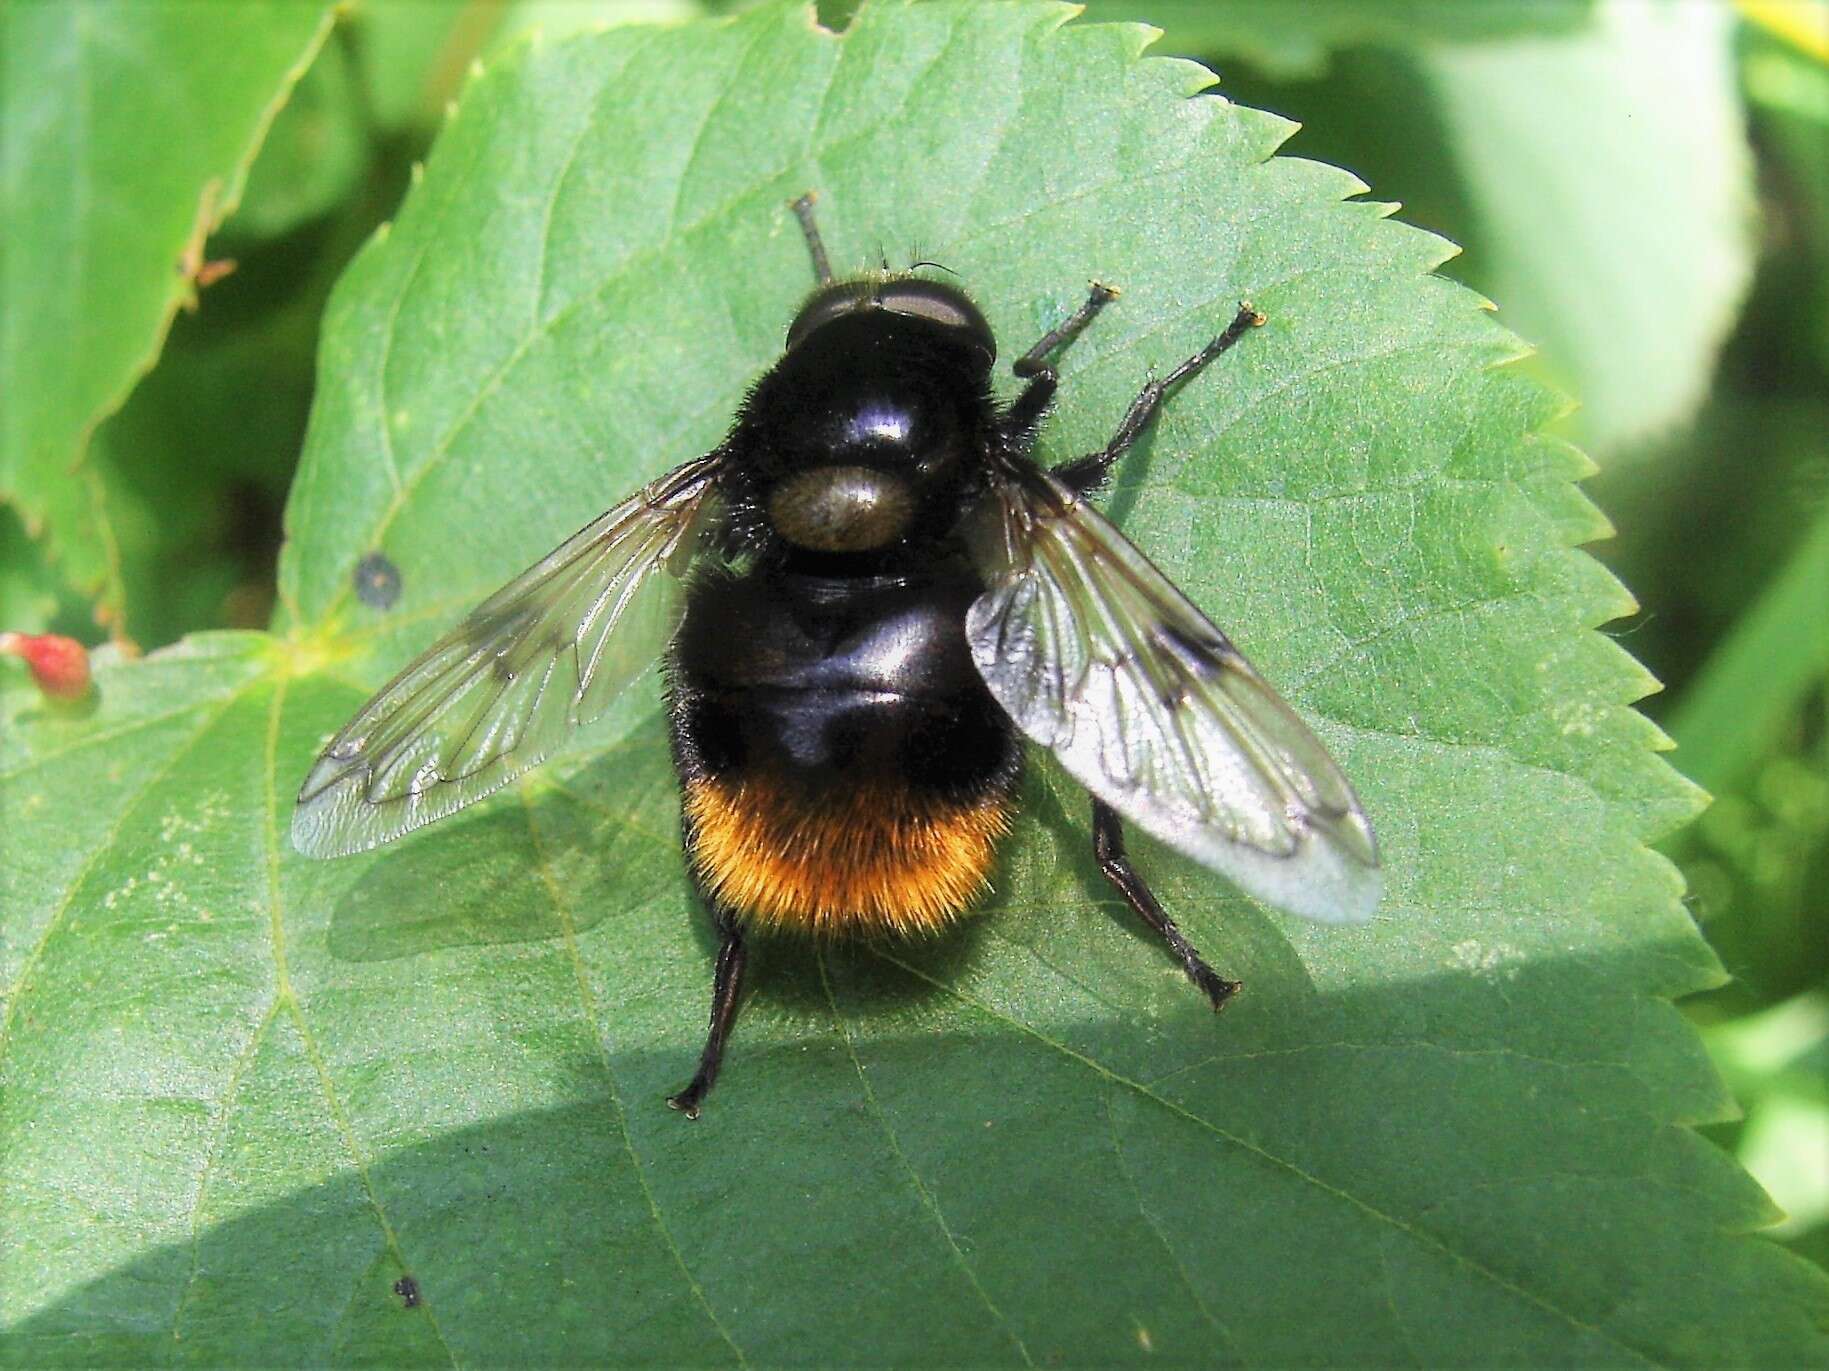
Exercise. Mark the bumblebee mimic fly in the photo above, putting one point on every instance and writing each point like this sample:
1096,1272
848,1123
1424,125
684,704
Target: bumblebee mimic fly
866,600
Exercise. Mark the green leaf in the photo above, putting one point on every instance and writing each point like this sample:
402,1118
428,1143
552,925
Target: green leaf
1548,157
195,466
128,130
32,597
1777,1062
1727,529
1295,37
1775,652
315,153
557,19
415,53
1789,95
1748,727
1626,274
1455,1136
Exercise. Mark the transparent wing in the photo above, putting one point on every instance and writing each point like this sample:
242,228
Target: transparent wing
1097,656
544,655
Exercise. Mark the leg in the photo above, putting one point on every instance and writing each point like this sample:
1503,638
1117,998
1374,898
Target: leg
1087,474
726,988
1035,360
1108,847
1027,410
1025,414
803,211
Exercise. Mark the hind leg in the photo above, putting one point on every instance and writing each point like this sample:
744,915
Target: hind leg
726,991
1108,847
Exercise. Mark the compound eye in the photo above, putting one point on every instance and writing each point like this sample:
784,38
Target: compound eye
915,299
831,303
943,305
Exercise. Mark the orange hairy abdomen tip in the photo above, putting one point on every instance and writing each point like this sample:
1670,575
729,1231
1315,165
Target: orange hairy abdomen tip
881,860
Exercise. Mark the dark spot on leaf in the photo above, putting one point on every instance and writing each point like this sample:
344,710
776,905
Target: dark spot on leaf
377,581
408,1290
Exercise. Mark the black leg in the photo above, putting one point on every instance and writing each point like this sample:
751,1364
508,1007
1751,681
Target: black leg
1019,422
1035,361
1026,412
1108,847
803,211
726,989
1087,474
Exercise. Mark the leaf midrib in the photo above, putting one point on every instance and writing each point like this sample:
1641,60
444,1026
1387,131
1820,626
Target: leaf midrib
284,995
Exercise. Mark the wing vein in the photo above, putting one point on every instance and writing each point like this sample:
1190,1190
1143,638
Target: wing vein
483,704
1096,655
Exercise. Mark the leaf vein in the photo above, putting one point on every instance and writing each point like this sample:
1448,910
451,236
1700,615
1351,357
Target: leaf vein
286,996
89,740
213,1154
1421,1237
588,1003
544,237
1156,1229
696,141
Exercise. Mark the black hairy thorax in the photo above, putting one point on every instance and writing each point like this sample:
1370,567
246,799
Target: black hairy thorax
859,452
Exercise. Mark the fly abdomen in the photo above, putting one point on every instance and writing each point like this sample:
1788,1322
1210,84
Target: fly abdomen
843,767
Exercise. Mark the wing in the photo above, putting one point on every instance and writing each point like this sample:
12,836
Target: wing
1096,655
497,695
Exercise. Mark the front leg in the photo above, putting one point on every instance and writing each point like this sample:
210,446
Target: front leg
726,990
1108,847
1026,412
1034,362
1086,474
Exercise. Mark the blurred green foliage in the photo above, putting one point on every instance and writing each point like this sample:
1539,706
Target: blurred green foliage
1643,189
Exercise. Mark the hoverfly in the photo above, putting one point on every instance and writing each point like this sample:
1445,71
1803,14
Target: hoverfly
865,599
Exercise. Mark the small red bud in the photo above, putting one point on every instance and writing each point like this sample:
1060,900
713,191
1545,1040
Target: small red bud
60,665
